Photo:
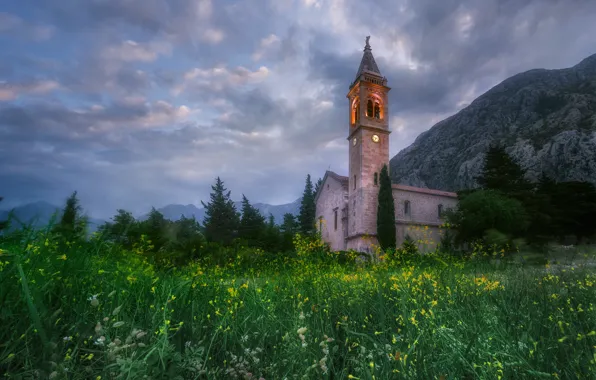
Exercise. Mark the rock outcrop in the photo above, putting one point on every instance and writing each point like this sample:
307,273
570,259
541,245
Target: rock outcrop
545,118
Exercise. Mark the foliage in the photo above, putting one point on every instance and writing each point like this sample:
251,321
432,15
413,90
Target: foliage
386,233
307,208
3,223
252,224
72,224
95,310
484,210
501,172
221,219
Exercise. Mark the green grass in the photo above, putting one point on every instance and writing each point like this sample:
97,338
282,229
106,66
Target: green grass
91,310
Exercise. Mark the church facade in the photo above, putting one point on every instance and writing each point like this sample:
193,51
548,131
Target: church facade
346,206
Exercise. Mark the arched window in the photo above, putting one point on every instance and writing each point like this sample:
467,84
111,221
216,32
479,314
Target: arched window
376,179
354,180
356,112
407,208
369,108
377,110
440,211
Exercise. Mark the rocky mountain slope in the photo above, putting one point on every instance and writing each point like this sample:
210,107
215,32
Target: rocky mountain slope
545,118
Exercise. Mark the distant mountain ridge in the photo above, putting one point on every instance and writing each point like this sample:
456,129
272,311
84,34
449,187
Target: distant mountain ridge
546,119
175,211
39,214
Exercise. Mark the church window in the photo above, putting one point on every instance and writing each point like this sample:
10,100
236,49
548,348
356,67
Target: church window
356,112
369,108
377,110
335,219
376,179
407,208
440,211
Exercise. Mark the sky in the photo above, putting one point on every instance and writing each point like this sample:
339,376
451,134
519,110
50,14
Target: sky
141,103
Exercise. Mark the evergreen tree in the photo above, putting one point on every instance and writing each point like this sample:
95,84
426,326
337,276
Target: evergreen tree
156,228
386,232
502,173
3,223
72,223
123,230
318,185
221,219
307,209
252,223
288,229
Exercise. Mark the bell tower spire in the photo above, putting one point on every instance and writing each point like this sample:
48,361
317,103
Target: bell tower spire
368,136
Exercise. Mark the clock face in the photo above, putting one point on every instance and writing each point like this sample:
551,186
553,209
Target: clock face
375,138
354,141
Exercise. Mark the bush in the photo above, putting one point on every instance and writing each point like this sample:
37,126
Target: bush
485,210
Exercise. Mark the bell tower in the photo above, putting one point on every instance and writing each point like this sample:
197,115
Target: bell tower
368,137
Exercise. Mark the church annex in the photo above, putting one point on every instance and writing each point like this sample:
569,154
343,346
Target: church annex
346,206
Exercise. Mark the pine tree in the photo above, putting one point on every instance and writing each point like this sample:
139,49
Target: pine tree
72,223
386,233
221,219
252,224
502,173
307,209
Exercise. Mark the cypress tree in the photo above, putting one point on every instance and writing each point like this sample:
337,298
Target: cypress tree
221,219
307,208
386,233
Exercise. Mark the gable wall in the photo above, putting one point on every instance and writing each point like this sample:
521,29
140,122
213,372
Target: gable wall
333,195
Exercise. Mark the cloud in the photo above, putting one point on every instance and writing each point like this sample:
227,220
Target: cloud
15,27
144,102
11,91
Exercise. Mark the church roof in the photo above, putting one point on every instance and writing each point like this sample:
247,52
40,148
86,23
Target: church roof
340,178
368,64
424,190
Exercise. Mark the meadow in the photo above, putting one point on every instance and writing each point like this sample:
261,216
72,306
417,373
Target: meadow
92,310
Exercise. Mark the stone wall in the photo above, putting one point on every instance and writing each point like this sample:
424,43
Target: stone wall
423,221
333,198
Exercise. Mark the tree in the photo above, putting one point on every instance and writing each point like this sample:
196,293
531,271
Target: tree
318,185
486,210
386,233
155,227
502,173
307,209
252,223
221,219
288,228
72,223
123,230
3,223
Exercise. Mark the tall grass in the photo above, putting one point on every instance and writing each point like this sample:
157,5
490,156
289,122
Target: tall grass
90,310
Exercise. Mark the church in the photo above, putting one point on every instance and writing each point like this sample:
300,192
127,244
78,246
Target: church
346,206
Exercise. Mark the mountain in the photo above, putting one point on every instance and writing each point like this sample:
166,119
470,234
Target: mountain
546,119
39,214
175,211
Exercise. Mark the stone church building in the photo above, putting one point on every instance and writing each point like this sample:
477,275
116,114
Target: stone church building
346,207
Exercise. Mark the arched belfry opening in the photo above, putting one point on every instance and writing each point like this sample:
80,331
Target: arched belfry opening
356,111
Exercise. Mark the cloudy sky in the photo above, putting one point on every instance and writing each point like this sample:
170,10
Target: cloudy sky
135,103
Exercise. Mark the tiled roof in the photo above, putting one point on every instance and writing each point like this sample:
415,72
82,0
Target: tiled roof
424,190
